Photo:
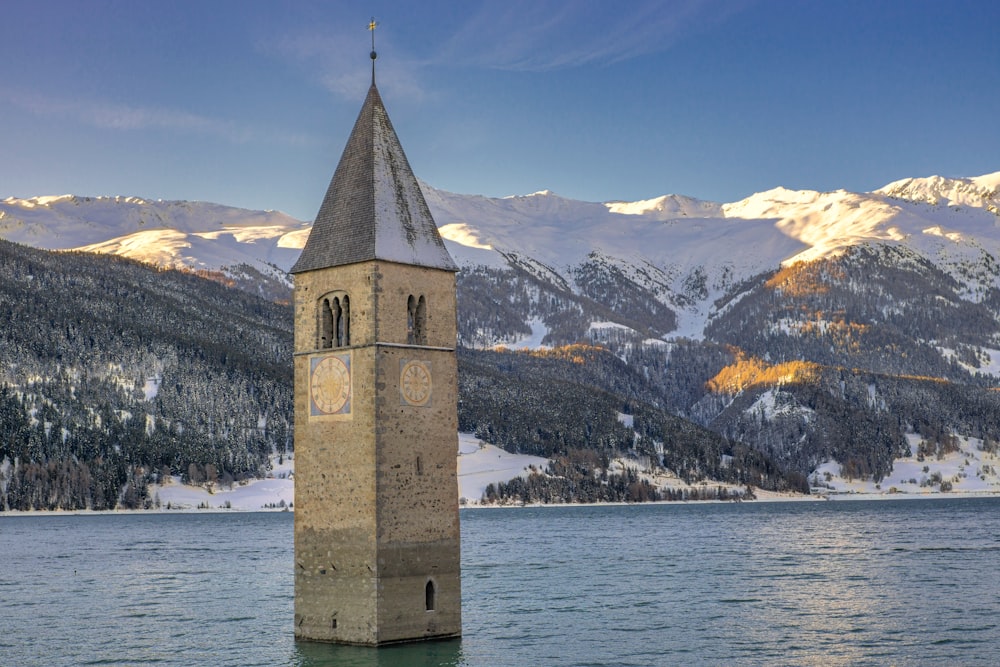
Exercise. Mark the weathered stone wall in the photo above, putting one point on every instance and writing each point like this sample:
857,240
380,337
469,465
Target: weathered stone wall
376,491
335,550
417,496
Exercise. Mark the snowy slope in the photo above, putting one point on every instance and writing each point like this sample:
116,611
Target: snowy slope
176,234
938,218
659,243
561,233
479,464
663,244
763,230
970,470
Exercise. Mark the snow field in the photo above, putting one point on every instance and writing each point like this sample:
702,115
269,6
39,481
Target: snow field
970,470
479,464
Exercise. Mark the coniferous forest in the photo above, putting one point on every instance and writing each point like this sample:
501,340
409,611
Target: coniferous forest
114,374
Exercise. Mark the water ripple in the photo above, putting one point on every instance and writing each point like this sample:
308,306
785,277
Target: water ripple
749,584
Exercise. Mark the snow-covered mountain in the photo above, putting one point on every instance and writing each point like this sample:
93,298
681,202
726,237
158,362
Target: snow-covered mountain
782,338
197,236
667,243
681,252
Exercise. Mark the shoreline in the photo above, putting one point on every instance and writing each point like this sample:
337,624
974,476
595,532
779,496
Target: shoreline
770,498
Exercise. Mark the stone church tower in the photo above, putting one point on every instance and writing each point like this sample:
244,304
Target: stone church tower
376,492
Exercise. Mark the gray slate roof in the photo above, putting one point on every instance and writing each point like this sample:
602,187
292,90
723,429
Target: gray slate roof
374,208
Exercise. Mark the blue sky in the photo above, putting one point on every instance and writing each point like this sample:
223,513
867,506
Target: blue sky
250,103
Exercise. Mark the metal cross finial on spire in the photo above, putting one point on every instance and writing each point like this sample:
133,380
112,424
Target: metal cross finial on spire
371,26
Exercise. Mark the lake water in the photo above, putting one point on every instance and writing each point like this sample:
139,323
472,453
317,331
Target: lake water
826,583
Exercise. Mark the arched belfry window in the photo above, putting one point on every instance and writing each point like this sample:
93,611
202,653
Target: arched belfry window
325,324
334,321
430,595
411,311
416,320
420,324
344,326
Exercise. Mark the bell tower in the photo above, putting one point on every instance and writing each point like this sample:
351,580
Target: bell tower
377,554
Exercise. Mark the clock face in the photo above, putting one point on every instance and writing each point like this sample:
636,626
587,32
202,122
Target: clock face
415,383
330,385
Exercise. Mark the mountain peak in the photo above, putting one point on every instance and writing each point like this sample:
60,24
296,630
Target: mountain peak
48,201
988,181
539,193
977,192
667,207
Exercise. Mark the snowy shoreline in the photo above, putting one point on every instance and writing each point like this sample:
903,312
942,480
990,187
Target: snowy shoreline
769,497
970,472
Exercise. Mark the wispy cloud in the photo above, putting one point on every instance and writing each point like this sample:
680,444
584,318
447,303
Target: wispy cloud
113,116
516,35
533,35
335,58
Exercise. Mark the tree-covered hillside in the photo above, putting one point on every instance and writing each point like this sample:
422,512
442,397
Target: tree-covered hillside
582,407
839,359
114,373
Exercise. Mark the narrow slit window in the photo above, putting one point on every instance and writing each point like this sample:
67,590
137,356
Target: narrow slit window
345,322
429,596
420,322
326,325
336,322
411,314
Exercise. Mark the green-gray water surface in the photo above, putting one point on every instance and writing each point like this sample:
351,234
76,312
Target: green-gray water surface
834,583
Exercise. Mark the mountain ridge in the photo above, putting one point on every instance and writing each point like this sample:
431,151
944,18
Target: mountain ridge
869,322
682,253
692,250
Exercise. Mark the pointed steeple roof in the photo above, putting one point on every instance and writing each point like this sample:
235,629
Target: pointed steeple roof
373,209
